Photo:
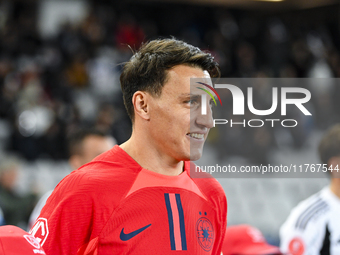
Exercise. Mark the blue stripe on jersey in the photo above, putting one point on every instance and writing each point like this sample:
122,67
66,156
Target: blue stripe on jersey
181,221
170,219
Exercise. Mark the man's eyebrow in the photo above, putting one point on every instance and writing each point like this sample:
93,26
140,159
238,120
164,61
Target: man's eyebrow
186,95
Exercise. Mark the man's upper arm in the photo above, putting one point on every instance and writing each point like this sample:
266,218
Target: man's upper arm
223,225
214,190
64,223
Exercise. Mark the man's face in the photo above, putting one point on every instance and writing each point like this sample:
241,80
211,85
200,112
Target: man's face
92,146
176,125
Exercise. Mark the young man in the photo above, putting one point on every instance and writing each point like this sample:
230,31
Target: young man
139,198
313,227
84,145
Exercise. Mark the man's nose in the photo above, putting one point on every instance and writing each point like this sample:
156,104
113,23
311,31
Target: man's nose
205,120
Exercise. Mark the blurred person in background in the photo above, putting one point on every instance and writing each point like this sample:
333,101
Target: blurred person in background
16,208
84,145
2,219
313,226
247,240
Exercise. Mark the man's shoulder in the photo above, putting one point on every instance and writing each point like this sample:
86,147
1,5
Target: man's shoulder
113,166
208,185
201,178
116,156
312,205
312,209
96,174
99,178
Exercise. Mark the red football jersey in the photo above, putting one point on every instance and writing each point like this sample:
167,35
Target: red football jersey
114,206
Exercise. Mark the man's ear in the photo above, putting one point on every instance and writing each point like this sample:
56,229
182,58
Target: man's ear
140,102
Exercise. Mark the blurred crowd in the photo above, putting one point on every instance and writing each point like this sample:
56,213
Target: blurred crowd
50,87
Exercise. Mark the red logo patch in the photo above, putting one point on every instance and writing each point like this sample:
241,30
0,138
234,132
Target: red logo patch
296,246
40,230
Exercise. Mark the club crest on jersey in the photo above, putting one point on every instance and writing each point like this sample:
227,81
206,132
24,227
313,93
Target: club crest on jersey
205,233
40,230
296,246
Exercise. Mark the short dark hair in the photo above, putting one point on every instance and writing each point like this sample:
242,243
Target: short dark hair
330,144
147,68
76,139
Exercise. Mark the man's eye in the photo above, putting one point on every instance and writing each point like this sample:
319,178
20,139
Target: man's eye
191,101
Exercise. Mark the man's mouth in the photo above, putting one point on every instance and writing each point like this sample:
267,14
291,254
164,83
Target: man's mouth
196,135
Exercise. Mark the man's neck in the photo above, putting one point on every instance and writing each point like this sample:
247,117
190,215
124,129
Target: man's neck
335,186
148,157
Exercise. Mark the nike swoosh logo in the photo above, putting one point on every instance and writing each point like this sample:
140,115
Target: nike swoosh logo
126,237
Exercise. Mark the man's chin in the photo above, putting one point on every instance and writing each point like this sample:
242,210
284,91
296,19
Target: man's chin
195,155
